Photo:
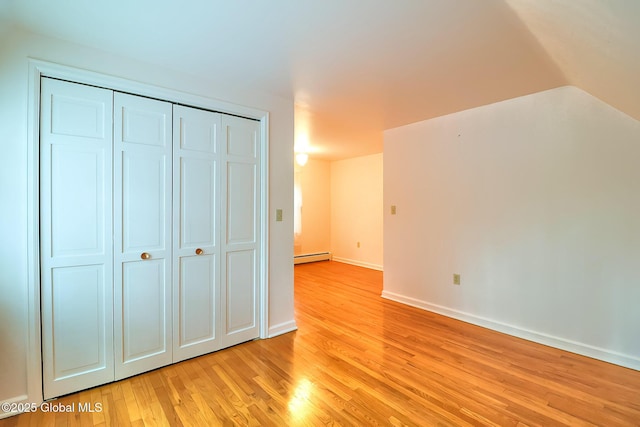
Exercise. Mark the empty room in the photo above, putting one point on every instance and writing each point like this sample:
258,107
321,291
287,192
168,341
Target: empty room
361,212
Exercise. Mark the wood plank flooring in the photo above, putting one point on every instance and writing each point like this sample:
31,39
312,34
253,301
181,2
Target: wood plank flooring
360,360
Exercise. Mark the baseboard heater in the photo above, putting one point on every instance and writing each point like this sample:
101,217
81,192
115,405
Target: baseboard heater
320,256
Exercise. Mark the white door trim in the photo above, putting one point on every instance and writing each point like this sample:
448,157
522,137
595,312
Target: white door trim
37,69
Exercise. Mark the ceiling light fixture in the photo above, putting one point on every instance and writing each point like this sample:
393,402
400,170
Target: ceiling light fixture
302,158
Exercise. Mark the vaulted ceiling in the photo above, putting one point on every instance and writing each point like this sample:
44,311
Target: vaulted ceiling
357,67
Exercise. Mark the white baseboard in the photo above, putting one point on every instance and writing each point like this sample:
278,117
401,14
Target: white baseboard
358,263
282,328
603,354
304,258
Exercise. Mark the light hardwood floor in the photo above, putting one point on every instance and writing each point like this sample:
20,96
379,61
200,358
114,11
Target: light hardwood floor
357,359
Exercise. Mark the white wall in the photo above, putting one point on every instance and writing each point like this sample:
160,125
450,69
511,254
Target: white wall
315,180
535,201
13,225
356,211
15,384
341,206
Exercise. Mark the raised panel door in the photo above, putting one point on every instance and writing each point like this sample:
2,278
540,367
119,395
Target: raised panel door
142,201
75,236
241,201
196,235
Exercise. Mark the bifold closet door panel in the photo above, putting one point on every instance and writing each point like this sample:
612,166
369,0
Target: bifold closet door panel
241,204
75,236
142,201
196,232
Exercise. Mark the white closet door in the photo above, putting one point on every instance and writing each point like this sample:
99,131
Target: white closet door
142,199
240,251
196,249
76,228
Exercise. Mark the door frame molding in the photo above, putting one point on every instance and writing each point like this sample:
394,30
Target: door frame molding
39,69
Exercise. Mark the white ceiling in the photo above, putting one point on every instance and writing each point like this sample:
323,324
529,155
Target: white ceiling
357,67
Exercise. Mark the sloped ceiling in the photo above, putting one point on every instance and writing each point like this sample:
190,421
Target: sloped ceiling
594,43
357,67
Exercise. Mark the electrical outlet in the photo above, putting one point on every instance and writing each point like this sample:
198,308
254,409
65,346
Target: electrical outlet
456,279
393,209
358,244
278,215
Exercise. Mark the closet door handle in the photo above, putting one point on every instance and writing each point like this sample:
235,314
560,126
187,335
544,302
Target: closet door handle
199,251
145,255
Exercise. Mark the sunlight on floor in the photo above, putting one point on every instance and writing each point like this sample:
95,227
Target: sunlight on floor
299,405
